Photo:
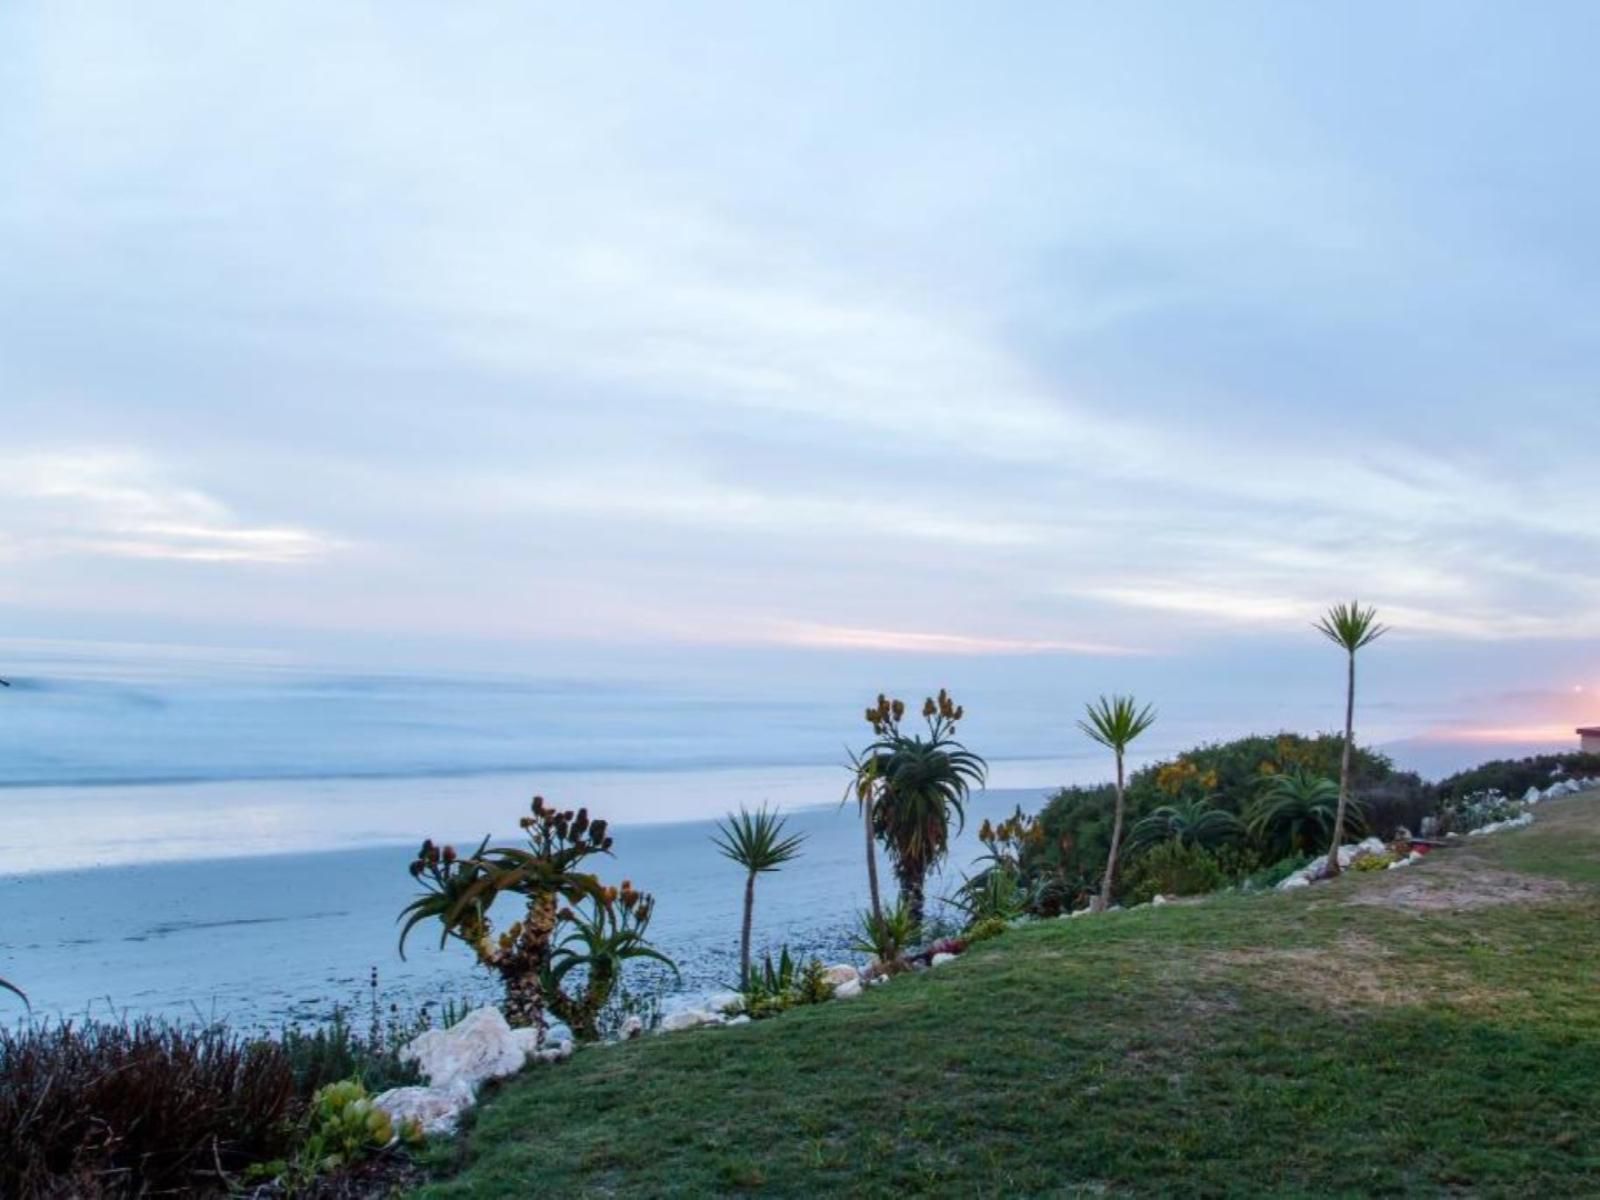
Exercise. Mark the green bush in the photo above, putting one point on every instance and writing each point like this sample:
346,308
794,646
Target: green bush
1173,869
1272,876
989,927
1513,777
776,988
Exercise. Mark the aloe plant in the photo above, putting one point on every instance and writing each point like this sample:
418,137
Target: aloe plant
918,788
602,940
756,841
1115,723
1351,628
460,890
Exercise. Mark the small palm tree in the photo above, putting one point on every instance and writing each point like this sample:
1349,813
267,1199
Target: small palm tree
1115,723
1192,823
1350,627
755,841
1298,809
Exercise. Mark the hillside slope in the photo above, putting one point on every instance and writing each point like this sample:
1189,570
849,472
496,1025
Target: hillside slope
1433,1030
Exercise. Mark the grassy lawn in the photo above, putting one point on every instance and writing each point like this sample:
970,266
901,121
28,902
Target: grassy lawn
1429,1031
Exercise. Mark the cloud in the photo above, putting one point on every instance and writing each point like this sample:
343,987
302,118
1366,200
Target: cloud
121,504
835,637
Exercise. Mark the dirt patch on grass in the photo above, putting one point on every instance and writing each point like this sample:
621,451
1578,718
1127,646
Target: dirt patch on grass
1458,887
1354,972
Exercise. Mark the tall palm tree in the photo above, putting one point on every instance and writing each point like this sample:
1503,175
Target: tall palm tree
756,842
1350,627
864,784
919,786
1115,723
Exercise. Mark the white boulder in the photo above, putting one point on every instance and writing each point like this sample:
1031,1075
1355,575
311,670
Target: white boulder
741,1019
436,1110
1532,796
939,960
851,988
554,1053
840,974
632,1027
479,1047
1159,900
690,1018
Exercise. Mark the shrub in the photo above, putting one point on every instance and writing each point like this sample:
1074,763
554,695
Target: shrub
1368,861
775,989
1513,777
989,927
888,937
334,1051
1272,876
1474,811
1174,869
103,1109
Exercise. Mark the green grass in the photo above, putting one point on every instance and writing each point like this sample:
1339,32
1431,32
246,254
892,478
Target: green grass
1431,1031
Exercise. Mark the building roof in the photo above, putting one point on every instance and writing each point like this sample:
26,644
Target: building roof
1589,731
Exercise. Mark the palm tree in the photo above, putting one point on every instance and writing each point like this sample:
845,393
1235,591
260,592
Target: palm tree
755,841
1300,808
1191,822
917,787
1114,723
864,783
1350,627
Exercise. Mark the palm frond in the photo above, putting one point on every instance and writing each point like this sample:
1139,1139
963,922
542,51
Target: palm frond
1351,627
1115,721
756,841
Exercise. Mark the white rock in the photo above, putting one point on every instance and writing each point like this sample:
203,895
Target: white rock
528,1040
939,960
1159,900
1296,880
632,1027
741,1019
725,1002
436,1109
554,1053
851,988
1532,796
691,1018
840,974
480,1046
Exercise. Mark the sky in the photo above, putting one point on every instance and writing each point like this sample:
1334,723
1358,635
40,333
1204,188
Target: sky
1077,345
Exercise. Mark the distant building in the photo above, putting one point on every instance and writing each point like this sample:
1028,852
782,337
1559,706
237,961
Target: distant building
1589,739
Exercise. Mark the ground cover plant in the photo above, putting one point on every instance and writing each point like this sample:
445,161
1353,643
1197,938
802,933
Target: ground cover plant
1424,1032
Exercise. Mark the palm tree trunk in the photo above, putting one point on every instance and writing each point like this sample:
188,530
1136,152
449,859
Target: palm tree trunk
1116,845
744,933
911,891
872,863
1344,768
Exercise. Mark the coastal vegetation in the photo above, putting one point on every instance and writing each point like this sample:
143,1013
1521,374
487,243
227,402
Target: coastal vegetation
1452,1052
978,1067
